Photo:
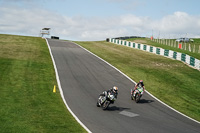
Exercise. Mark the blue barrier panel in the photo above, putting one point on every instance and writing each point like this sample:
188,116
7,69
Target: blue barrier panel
138,46
157,51
183,57
133,45
129,44
145,47
192,61
175,55
166,52
151,49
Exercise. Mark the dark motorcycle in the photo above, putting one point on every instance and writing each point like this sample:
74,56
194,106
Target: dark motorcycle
104,101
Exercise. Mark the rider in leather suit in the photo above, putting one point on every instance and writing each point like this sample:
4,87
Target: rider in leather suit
140,83
113,90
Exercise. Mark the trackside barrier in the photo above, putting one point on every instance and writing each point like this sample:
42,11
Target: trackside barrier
189,60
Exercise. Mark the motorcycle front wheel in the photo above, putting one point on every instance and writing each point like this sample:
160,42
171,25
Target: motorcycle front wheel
106,104
132,97
99,101
137,98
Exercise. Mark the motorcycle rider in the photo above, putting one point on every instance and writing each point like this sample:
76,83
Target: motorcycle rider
141,84
113,90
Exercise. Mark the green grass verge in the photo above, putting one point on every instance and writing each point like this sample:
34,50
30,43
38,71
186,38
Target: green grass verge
171,81
27,78
153,43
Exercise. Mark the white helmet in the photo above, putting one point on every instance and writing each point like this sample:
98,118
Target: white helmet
115,88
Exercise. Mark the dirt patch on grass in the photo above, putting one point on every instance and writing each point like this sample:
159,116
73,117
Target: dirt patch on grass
141,41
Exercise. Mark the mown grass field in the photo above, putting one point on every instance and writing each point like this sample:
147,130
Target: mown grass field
196,42
27,78
171,81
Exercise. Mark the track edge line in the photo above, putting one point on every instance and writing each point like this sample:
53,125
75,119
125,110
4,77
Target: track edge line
61,92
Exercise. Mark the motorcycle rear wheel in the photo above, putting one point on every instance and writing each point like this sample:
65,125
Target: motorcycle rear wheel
98,104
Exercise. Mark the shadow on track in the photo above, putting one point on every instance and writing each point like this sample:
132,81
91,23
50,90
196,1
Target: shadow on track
142,101
114,108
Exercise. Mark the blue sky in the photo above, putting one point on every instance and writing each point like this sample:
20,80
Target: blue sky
102,8
99,19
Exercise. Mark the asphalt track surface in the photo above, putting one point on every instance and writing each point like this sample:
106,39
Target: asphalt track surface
83,77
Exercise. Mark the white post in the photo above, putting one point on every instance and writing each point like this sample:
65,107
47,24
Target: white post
185,45
189,48
199,48
194,49
171,43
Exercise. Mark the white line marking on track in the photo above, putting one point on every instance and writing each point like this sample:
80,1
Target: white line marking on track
129,114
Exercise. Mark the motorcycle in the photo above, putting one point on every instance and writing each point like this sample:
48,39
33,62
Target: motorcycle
137,94
104,101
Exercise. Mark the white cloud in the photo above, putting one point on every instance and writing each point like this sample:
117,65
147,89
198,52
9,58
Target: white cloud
178,24
30,21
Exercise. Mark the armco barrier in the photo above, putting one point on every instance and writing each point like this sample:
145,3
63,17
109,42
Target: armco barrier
189,60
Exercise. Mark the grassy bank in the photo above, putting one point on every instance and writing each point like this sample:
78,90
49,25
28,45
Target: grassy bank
27,79
169,80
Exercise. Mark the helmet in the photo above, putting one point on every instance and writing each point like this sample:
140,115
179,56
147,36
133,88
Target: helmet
141,81
115,88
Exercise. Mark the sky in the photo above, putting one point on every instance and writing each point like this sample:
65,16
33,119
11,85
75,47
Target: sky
95,20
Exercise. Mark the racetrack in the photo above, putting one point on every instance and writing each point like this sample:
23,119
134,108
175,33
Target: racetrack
83,77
